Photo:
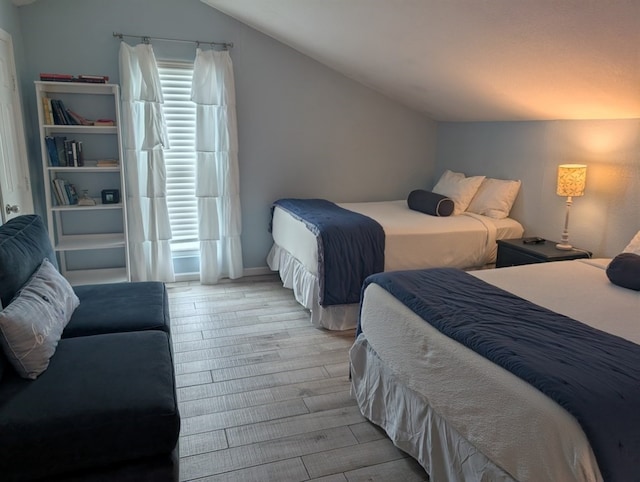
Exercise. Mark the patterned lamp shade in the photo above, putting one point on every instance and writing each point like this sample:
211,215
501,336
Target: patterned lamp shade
571,179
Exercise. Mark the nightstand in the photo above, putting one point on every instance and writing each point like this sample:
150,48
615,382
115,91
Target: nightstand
513,252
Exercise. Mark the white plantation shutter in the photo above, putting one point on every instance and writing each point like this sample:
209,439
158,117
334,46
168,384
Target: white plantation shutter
180,159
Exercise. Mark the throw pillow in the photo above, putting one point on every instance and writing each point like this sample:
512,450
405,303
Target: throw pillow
494,198
634,245
31,325
624,270
461,189
430,203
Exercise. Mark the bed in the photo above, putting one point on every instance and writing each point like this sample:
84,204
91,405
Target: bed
462,416
412,240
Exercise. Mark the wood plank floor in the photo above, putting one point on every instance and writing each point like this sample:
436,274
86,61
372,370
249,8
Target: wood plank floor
264,396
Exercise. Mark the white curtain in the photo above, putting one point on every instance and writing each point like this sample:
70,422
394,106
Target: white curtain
217,177
144,137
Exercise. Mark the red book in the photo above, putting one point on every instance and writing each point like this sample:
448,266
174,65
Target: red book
104,122
57,77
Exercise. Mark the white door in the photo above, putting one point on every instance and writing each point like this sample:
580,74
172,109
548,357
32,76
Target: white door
15,187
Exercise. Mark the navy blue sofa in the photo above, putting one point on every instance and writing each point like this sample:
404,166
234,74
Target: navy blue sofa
105,409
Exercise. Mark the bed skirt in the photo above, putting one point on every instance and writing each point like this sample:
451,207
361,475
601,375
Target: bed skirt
412,425
306,290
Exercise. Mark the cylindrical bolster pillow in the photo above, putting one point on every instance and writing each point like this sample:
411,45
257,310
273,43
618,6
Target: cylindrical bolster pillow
430,203
624,270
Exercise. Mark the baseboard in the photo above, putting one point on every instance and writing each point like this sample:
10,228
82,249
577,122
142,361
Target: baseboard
180,277
260,271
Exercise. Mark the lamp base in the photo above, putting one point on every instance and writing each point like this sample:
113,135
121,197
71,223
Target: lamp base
564,246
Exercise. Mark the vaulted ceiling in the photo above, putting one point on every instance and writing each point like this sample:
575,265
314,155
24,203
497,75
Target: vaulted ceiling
470,60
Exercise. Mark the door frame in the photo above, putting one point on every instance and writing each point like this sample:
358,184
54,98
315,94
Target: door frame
21,146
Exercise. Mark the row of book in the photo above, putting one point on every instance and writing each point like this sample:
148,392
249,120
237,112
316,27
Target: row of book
94,79
55,113
65,192
64,152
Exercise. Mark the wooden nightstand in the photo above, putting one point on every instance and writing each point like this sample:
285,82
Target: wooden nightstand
514,252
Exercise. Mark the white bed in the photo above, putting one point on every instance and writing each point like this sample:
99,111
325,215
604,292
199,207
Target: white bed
413,240
463,417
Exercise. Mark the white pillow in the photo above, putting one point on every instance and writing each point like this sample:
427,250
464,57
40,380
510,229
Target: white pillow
31,325
461,189
634,245
494,198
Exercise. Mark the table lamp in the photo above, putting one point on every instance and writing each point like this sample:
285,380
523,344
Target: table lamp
571,181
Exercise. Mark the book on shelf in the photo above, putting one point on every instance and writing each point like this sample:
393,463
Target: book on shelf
72,195
74,153
96,79
61,198
80,154
62,153
108,163
77,157
104,122
60,115
68,156
56,77
46,110
52,150
65,152
65,192
79,120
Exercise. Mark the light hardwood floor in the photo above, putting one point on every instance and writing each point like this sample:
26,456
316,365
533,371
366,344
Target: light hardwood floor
264,396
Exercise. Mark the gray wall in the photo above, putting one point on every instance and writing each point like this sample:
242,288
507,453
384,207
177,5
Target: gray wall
304,130
10,22
603,220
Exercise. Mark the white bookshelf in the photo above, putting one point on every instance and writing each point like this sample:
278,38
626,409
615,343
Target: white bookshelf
91,242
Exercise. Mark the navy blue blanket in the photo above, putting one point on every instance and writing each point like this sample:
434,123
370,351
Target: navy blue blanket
350,247
594,375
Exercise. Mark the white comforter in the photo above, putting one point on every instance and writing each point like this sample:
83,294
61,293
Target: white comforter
460,415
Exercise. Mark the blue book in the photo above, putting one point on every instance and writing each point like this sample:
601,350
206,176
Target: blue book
53,151
70,191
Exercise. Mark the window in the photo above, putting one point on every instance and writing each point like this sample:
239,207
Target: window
180,159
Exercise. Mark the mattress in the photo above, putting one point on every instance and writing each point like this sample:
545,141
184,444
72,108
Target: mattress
463,417
413,240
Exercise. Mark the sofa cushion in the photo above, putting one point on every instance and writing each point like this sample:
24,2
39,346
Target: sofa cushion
2,362
104,400
119,307
31,325
161,468
24,243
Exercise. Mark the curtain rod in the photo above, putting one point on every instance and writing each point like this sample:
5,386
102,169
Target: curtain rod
145,39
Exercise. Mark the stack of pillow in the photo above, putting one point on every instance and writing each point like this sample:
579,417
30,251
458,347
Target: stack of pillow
624,269
454,194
